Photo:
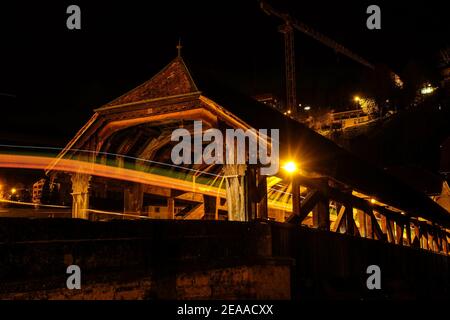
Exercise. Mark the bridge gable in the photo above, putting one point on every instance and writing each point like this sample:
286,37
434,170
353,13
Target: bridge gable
175,79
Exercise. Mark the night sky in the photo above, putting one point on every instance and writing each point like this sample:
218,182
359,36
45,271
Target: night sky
52,78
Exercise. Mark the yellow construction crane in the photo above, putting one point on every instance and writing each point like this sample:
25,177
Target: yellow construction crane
287,29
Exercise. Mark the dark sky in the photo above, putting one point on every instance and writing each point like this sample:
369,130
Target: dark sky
57,76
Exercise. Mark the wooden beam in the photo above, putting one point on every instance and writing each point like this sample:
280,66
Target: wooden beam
296,200
170,208
399,233
307,206
196,213
150,149
321,214
133,199
210,207
350,226
416,241
361,216
408,234
444,243
262,208
377,232
390,233
339,220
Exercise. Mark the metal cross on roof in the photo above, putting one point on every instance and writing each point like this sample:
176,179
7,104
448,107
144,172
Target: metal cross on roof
179,46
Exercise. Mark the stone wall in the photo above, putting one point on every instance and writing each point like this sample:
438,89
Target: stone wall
140,260
165,259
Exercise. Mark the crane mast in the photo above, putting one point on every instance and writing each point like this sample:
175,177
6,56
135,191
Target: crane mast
289,58
287,29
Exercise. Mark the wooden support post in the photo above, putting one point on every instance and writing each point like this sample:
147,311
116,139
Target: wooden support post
408,233
210,207
340,220
80,195
437,239
349,222
296,201
390,230
307,206
321,214
369,228
383,224
376,231
170,208
235,188
423,237
133,199
361,216
250,193
444,243
430,241
262,208
399,233
416,241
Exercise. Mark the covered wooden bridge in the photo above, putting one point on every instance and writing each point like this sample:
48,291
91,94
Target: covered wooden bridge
332,189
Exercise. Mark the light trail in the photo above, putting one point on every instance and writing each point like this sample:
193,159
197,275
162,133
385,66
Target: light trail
34,204
110,154
67,207
124,174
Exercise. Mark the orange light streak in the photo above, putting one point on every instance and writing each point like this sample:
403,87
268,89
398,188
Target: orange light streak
101,170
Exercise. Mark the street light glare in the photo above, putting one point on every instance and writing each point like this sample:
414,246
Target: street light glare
356,98
290,167
13,190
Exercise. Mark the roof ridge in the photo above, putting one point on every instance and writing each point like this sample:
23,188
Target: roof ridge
177,60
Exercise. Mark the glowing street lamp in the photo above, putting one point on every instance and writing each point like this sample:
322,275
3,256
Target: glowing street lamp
427,89
356,98
290,167
13,190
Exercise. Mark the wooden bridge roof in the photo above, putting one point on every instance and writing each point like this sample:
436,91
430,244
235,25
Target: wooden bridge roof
321,155
314,152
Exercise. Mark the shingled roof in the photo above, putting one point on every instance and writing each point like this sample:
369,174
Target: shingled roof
174,79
